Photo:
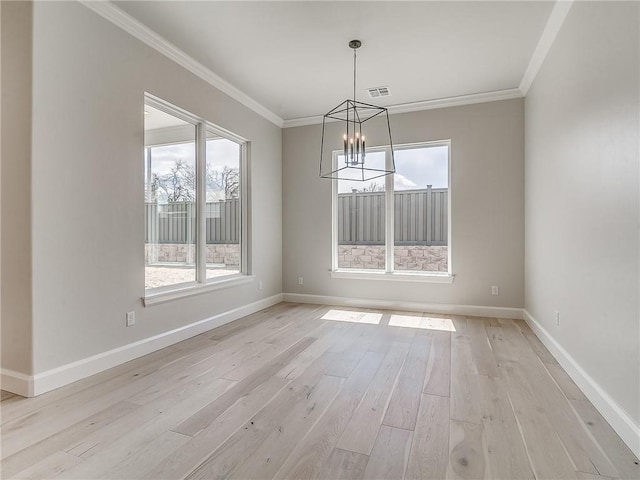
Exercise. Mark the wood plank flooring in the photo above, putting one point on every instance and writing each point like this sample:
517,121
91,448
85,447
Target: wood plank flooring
310,391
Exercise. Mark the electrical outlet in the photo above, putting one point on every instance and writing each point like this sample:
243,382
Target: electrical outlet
131,319
259,284
495,290
300,281
557,317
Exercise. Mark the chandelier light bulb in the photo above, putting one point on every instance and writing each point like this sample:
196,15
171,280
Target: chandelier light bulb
363,148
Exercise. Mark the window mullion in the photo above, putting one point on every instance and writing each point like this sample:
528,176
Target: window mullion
334,214
201,192
389,217
245,191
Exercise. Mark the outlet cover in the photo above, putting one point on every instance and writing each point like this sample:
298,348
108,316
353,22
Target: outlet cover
131,319
495,290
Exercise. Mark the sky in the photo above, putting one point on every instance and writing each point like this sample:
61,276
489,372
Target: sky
415,169
220,152
172,139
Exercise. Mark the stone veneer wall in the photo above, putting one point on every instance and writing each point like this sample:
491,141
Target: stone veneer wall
227,254
410,257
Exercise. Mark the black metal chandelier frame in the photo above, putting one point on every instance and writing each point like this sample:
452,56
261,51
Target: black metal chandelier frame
354,114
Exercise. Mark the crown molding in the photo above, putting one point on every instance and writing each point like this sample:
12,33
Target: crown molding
456,101
110,12
554,23
118,17
425,105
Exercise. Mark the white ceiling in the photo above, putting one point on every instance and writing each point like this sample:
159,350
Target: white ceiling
293,58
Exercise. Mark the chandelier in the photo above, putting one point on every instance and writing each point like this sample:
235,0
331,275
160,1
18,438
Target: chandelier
344,157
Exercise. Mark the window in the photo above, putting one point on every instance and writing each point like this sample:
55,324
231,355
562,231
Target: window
398,223
195,208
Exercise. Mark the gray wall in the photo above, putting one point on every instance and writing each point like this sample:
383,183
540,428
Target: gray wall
487,203
582,195
89,78
16,179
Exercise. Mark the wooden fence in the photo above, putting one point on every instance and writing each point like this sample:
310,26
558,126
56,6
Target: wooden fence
420,217
176,222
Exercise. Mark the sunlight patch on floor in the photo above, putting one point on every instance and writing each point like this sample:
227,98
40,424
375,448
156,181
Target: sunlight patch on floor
353,316
425,323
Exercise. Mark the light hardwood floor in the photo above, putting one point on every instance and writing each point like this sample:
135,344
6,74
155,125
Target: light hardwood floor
307,391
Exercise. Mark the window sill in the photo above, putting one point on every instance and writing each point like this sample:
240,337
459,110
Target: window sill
433,277
155,298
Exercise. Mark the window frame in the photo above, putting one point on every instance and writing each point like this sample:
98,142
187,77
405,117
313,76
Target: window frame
201,284
389,273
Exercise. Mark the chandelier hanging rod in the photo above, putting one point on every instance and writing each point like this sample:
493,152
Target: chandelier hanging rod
355,45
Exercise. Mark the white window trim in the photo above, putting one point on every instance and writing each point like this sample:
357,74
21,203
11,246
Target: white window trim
183,290
202,284
389,273
401,276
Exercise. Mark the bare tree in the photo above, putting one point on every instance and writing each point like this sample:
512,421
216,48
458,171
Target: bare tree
226,180
179,185
372,187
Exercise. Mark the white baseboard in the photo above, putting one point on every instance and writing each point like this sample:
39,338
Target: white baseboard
619,420
16,382
480,311
46,381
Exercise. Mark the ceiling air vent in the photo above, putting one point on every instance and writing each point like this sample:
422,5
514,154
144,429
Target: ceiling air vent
379,92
